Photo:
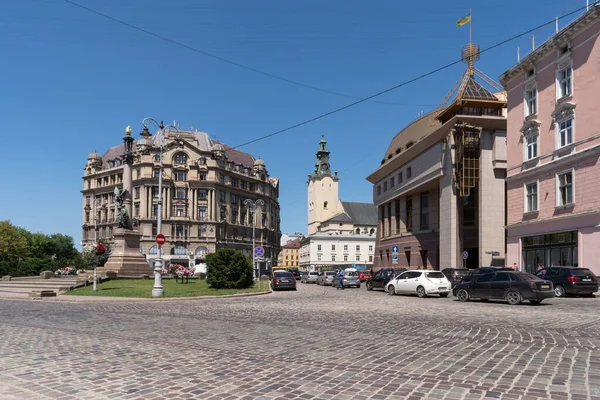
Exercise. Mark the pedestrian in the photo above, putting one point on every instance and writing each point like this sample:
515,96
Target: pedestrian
340,284
516,267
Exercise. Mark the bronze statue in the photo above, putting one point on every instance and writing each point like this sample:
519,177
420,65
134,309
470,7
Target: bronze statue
122,216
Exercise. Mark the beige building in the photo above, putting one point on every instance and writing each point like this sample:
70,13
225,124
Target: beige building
205,184
440,187
289,256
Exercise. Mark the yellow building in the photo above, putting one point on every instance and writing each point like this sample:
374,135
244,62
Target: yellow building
205,185
290,254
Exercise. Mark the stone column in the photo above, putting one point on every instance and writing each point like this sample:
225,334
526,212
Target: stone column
449,218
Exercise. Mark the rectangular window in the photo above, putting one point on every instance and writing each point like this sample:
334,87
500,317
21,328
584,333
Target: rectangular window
222,179
532,146
202,213
202,193
531,197
242,184
385,186
378,190
370,248
136,210
202,230
234,182
180,211
222,196
392,182
358,247
565,188
155,192
318,257
408,172
234,216
346,257
154,210
181,176
357,258
136,193
408,216
202,175
530,101
564,82
180,193
223,214
156,172
243,217
319,247
399,177
333,257
345,247
234,199
424,211
333,247
264,220
565,132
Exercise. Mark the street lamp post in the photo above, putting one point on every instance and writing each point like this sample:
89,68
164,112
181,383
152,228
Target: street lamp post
252,205
159,143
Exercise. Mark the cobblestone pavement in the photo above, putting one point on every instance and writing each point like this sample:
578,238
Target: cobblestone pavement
316,343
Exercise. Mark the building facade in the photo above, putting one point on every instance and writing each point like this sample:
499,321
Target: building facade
330,251
340,232
289,256
439,189
553,150
205,184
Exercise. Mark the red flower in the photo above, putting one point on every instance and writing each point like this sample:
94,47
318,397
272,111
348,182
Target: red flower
100,249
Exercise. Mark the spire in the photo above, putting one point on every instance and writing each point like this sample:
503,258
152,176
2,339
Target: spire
322,166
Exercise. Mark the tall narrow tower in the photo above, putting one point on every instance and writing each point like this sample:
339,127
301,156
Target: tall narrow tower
323,202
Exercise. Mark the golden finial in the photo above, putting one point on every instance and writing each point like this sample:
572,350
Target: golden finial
128,130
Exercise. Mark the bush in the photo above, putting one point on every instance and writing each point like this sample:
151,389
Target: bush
229,269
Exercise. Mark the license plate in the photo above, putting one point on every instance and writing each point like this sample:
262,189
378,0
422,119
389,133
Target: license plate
545,286
284,280
587,280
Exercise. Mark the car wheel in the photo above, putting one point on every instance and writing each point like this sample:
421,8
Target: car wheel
369,287
559,291
462,295
421,292
443,294
390,290
513,298
358,286
535,301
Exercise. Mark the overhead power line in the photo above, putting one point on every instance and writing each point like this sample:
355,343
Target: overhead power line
594,4
237,64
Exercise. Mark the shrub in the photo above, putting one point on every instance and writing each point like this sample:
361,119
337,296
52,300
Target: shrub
229,269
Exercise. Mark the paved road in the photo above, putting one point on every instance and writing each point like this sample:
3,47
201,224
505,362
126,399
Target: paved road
316,343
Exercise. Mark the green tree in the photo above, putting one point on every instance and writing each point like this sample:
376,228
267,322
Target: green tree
13,242
228,269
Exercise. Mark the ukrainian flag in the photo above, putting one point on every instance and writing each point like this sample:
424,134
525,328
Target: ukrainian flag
464,20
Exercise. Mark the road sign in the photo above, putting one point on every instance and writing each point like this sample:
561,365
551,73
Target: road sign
259,251
160,239
395,254
465,255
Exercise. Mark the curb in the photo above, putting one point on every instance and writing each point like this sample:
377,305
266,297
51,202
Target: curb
100,299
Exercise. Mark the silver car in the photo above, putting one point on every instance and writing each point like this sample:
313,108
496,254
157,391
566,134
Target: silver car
350,279
325,278
310,277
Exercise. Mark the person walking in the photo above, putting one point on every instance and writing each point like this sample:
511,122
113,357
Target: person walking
340,284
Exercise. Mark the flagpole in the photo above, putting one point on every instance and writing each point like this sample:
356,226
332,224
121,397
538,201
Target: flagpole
470,28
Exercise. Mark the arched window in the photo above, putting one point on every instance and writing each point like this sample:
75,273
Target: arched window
111,164
325,205
372,231
201,251
358,231
179,251
180,158
153,251
409,144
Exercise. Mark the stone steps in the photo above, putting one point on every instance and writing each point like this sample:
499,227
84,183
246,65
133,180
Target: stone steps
36,288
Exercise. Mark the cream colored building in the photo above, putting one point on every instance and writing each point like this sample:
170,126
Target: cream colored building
205,184
289,256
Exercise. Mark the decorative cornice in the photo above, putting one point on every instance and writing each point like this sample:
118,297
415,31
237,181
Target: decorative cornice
563,111
531,127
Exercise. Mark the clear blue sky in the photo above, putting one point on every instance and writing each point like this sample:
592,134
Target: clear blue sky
72,80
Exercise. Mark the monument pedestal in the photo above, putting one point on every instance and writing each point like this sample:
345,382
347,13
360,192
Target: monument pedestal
125,258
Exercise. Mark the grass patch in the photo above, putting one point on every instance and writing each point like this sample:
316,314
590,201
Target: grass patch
142,288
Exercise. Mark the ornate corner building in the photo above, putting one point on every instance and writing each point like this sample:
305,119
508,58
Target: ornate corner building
205,184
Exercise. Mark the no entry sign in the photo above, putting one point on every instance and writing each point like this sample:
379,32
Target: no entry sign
160,239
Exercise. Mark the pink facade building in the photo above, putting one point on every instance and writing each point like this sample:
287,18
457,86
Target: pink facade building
553,146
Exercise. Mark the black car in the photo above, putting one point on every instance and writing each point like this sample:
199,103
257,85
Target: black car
512,286
477,272
380,279
570,280
455,275
283,280
295,272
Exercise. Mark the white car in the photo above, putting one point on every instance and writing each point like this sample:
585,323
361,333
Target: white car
421,282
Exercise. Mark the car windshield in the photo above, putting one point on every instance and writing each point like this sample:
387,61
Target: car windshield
330,273
528,277
283,275
435,275
581,272
351,273
313,273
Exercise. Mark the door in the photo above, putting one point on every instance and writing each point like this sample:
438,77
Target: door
378,279
481,287
399,282
410,283
499,284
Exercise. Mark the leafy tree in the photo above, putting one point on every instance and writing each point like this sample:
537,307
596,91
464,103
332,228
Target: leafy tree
13,242
229,269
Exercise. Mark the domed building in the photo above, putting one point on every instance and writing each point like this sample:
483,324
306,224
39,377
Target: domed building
205,184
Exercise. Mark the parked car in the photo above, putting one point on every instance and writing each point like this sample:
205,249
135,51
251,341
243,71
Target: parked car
420,282
455,275
477,272
325,278
512,286
570,280
283,280
295,272
310,277
364,275
303,274
350,278
380,279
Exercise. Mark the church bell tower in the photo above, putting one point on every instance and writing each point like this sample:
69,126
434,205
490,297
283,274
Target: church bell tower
322,190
